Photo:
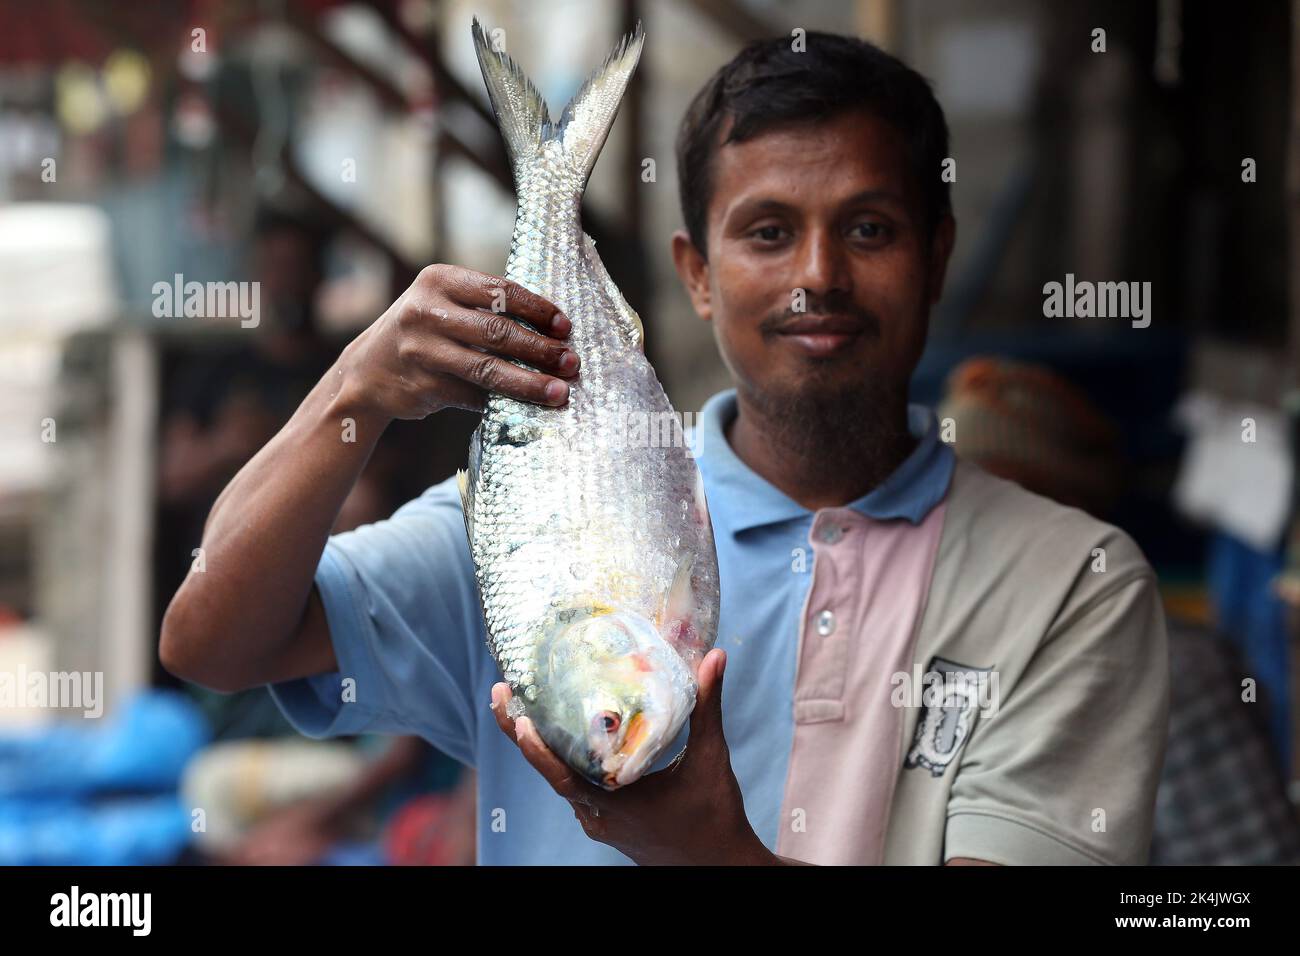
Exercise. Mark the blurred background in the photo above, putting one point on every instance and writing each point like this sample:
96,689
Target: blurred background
328,150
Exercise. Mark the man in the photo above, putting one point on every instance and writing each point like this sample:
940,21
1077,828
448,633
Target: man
925,664
227,398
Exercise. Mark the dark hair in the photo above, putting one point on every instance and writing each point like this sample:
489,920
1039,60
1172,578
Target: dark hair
314,232
769,84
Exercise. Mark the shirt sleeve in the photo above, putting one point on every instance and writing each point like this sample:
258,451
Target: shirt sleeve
1065,771
407,629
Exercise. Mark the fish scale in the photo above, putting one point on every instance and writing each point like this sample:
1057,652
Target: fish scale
567,516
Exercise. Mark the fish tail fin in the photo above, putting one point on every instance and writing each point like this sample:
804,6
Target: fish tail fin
521,112
587,118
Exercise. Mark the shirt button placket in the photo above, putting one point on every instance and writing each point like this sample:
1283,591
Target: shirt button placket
826,623
831,532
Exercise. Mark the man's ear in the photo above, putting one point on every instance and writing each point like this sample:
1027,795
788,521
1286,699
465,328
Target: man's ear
945,235
693,270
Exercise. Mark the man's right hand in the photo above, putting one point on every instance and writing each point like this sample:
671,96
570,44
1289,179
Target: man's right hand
445,343
254,616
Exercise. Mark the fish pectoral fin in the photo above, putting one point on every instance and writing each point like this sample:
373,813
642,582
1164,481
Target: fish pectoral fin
677,611
588,116
466,500
465,478
625,317
679,618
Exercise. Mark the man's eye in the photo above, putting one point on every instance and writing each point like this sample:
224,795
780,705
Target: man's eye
868,230
768,233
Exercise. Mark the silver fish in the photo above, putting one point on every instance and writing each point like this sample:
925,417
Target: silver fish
592,545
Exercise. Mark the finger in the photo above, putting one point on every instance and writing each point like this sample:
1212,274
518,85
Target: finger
593,823
458,393
494,374
501,295
534,748
706,718
502,335
556,772
500,704
483,372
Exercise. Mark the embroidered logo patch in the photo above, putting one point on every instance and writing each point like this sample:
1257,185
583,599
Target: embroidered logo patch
952,700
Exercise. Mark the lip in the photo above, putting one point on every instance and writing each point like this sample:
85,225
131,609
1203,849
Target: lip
821,343
822,336
823,325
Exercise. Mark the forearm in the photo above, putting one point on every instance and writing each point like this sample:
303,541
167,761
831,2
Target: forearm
263,540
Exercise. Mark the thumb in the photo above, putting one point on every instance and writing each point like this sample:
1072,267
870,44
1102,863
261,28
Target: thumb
706,718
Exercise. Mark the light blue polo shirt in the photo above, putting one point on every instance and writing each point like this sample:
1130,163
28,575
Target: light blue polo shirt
407,628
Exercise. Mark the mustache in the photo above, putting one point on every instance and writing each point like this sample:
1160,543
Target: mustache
819,306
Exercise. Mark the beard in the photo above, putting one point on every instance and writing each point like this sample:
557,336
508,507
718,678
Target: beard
838,427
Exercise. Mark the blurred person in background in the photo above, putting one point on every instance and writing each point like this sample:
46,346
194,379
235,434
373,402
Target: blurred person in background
223,403
226,403
1221,798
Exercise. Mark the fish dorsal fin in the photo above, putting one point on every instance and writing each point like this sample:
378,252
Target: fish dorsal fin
587,118
624,316
521,112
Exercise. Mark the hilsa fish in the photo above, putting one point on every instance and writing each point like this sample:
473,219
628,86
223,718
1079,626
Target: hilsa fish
592,547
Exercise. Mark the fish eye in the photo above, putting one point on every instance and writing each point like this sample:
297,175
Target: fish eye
607,721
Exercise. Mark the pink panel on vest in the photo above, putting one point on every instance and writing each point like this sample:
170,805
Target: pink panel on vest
870,579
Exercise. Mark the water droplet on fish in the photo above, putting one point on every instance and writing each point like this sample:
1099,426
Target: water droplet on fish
515,708
530,693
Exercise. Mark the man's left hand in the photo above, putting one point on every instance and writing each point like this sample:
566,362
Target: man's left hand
689,813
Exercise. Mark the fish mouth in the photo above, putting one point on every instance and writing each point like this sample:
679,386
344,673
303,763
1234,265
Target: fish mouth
627,763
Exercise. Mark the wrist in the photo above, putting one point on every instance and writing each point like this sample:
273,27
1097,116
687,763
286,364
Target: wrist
756,854
347,396
746,849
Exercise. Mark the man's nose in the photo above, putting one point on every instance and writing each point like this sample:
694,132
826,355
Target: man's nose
823,266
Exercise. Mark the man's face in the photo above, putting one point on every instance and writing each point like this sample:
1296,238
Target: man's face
820,269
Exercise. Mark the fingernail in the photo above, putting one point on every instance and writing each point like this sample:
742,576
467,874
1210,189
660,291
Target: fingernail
561,323
519,728
569,361
557,392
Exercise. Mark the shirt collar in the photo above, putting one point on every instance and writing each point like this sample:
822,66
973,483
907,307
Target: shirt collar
740,499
